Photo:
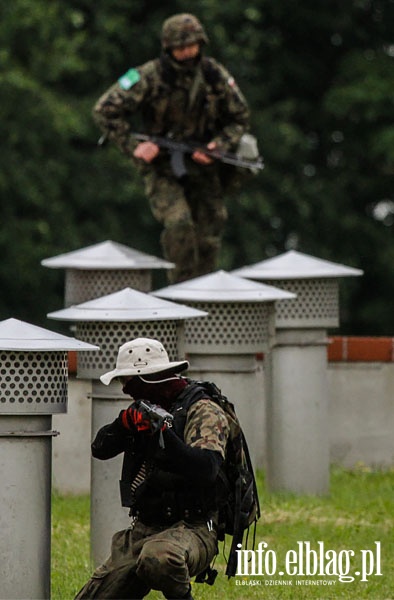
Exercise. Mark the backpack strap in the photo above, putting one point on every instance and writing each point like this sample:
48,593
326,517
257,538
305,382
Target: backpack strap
191,394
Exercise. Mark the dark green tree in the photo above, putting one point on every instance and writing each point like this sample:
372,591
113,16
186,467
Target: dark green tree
319,80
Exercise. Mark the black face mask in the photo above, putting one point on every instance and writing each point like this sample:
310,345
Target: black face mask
139,390
162,392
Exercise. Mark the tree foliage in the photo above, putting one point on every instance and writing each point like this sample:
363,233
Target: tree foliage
319,80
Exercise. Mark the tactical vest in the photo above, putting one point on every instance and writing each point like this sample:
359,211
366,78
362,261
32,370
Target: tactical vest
155,494
202,112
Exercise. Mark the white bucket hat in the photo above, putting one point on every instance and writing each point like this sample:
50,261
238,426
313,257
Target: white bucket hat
140,357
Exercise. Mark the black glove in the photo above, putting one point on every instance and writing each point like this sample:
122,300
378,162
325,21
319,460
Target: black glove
135,417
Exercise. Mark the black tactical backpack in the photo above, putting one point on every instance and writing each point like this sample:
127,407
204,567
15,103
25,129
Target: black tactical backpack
239,506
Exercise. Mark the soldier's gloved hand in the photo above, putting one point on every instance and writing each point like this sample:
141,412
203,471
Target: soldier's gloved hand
135,418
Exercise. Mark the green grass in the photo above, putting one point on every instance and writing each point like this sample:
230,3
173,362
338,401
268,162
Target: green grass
358,512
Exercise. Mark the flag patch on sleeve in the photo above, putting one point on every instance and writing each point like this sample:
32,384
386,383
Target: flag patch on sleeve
129,79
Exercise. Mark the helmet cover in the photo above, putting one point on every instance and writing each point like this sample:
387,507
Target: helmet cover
182,30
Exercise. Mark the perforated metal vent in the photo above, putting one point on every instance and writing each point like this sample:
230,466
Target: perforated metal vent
110,335
316,305
33,382
84,285
230,328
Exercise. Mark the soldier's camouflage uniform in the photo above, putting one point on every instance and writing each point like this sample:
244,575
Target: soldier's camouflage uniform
163,555
203,103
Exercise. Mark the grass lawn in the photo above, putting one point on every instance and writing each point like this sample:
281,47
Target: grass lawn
358,513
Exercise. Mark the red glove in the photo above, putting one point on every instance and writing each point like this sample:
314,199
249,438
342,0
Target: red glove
134,417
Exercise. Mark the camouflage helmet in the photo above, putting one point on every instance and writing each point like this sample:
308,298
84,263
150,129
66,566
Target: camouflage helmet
182,30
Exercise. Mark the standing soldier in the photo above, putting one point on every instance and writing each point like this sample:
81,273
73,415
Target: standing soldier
183,95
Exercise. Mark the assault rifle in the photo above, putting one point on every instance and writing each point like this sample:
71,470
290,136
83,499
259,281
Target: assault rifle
178,149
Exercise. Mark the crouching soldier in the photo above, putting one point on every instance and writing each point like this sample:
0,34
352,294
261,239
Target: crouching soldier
173,452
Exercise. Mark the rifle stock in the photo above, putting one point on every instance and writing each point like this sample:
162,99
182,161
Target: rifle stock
158,418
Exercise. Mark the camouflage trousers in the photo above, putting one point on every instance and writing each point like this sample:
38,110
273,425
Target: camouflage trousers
144,558
193,214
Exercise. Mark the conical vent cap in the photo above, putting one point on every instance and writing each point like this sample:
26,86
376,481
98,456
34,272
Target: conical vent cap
17,335
295,265
106,255
222,287
126,305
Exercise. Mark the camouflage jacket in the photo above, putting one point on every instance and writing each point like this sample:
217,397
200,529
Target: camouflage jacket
207,427
203,104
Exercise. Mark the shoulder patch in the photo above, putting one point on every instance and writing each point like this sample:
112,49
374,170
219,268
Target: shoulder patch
129,79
